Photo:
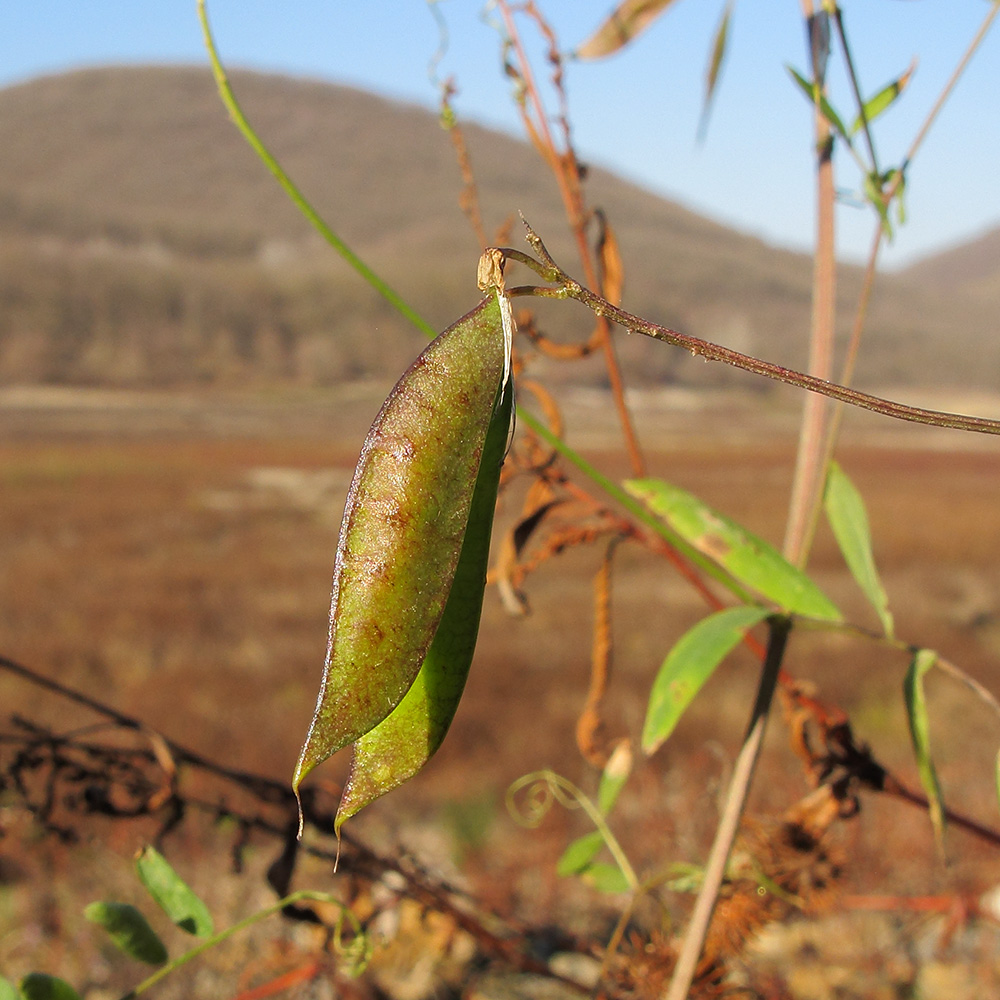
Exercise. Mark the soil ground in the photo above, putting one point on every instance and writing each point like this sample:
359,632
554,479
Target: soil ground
171,556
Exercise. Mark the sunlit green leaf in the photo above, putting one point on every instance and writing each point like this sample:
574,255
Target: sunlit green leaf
172,894
605,877
579,854
916,710
689,665
816,98
874,106
625,22
129,930
8,991
614,776
39,986
748,559
845,510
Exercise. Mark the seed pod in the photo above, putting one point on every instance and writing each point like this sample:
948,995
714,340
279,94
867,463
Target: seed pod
403,529
399,746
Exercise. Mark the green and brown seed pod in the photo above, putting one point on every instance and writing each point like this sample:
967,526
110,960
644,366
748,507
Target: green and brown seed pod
404,526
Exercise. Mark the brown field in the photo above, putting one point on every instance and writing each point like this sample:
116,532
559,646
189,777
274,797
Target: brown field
171,557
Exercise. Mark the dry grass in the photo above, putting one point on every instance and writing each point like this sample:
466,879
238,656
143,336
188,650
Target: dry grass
183,578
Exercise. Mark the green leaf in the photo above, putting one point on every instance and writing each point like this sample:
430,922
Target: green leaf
614,776
817,98
748,559
845,510
8,991
916,710
580,853
627,20
405,522
172,894
402,743
715,65
874,106
129,930
605,877
39,986
689,665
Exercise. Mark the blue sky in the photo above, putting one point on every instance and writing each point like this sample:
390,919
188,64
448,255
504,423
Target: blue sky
636,112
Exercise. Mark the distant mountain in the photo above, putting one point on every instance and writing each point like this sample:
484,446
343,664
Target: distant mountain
142,243
971,268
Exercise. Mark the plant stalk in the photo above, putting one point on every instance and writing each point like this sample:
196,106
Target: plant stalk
739,787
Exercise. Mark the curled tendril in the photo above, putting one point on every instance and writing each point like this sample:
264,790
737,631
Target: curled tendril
545,788
356,949
541,790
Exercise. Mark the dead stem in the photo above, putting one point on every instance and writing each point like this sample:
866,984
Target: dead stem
565,168
739,787
548,270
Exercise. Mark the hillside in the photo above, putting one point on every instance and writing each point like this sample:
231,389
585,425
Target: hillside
141,243
971,268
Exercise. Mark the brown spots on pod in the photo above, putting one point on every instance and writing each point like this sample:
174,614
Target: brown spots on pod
403,529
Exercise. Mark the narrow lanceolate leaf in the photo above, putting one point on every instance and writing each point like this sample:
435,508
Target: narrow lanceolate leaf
715,66
874,106
129,930
845,510
816,97
746,558
39,986
614,776
689,665
172,894
401,744
627,20
916,710
403,529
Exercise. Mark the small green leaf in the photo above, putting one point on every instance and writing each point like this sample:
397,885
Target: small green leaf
689,665
748,559
579,854
605,877
874,106
129,930
816,98
916,710
8,991
172,894
614,776
845,510
39,986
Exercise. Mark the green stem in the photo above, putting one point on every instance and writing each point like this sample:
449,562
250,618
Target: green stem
303,205
561,784
295,897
